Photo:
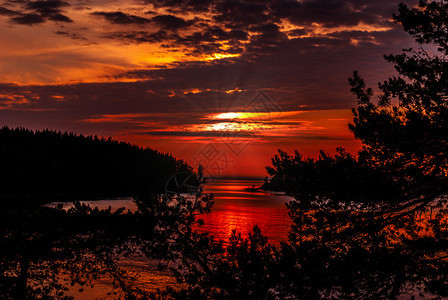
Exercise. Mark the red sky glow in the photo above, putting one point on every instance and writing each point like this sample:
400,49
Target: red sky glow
184,76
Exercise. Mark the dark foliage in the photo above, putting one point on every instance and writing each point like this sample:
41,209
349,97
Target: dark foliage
332,182
44,251
404,133
374,225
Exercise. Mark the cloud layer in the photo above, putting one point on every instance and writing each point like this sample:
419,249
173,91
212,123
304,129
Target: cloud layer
152,71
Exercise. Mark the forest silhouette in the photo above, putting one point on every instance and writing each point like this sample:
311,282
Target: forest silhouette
366,226
64,166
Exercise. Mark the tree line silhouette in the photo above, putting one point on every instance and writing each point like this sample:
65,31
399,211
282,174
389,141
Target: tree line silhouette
54,165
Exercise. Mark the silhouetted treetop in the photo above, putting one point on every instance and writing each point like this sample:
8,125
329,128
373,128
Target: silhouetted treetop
332,182
373,225
404,132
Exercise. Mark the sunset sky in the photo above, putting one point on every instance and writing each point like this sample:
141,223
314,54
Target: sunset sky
185,76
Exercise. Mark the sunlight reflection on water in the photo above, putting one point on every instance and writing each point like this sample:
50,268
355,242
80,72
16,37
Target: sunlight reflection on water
234,209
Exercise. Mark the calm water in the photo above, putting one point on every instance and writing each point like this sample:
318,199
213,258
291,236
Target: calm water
234,209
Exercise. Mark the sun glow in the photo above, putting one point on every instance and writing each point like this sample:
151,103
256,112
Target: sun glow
223,126
229,115
254,116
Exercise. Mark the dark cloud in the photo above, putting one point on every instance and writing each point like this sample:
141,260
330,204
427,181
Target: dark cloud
46,8
36,12
299,32
171,22
330,13
229,14
167,22
181,6
302,67
209,39
163,22
249,27
49,10
240,14
73,36
268,35
60,18
83,5
299,74
309,73
28,19
8,12
243,13
121,18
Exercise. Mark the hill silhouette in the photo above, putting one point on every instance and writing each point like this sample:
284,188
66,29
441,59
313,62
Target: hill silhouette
63,165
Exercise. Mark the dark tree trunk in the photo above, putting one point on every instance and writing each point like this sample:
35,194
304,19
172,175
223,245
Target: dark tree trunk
23,277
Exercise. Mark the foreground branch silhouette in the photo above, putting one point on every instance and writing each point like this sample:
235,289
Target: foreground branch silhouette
365,226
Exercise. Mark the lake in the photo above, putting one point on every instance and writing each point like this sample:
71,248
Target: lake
234,209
